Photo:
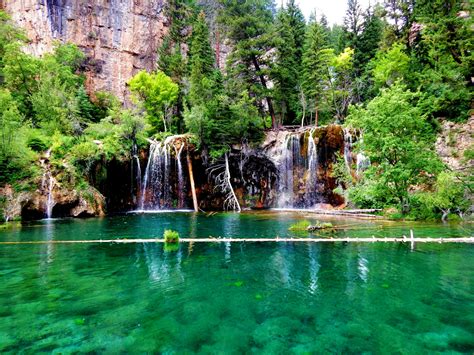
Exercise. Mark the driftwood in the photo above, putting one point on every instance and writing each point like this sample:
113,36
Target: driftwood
191,181
352,213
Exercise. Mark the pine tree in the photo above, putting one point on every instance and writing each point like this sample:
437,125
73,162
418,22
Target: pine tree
248,26
366,49
399,15
353,21
314,67
290,29
203,73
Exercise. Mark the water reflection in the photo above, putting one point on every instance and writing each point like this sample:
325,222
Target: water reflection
47,250
314,266
363,265
158,270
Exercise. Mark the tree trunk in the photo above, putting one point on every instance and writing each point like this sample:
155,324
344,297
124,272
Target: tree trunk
191,180
264,84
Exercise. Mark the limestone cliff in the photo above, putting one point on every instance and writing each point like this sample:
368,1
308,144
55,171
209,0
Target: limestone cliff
119,37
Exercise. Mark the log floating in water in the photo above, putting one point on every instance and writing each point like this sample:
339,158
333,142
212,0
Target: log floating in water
353,213
257,240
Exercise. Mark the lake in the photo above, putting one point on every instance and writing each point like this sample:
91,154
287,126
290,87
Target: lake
234,297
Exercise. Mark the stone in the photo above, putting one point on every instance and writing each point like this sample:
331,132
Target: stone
119,38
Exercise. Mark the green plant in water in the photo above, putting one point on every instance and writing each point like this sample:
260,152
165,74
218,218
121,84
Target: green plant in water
300,225
171,236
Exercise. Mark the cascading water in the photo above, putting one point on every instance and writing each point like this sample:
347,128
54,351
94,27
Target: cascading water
153,192
362,162
298,171
181,183
348,149
312,174
157,185
47,184
291,153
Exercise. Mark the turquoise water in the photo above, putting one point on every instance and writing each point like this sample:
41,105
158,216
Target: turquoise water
233,298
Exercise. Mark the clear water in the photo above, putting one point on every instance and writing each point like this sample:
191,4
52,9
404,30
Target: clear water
233,298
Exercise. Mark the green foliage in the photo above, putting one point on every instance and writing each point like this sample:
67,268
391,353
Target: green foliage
37,141
316,62
340,84
399,142
171,236
448,195
290,29
391,66
248,26
300,225
157,93
10,122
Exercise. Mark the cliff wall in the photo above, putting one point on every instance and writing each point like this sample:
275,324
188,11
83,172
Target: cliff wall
119,37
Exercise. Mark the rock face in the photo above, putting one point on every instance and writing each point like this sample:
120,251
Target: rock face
291,168
119,37
453,141
67,203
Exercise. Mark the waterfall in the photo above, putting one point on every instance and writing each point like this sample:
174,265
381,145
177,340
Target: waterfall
163,172
147,174
50,201
362,163
298,169
47,184
312,178
155,190
291,154
348,149
139,171
181,184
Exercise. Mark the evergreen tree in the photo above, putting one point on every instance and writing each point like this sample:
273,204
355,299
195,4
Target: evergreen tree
337,39
366,49
248,26
442,57
286,73
353,22
399,15
201,56
315,67
171,56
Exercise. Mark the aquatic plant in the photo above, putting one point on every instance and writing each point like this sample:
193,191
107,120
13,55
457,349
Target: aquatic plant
305,225
300,225
171,236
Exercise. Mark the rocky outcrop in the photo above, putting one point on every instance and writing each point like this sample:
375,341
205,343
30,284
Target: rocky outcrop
454,140
67,203
119,37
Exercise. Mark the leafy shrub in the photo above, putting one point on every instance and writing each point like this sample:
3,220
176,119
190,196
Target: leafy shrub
37,144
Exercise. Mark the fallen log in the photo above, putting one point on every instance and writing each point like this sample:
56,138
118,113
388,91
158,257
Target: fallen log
403,239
